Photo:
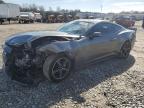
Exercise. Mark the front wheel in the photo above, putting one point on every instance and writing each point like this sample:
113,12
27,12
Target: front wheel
57,67
125,50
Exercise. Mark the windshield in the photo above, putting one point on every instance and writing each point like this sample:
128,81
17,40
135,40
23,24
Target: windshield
76,27
25,13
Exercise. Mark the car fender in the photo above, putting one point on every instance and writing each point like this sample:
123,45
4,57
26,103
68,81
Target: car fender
126,35
60,47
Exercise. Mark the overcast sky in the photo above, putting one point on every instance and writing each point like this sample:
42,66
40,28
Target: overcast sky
87,5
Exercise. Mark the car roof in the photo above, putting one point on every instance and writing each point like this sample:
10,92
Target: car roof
96,21
92,20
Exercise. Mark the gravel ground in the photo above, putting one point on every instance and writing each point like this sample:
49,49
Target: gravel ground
115,83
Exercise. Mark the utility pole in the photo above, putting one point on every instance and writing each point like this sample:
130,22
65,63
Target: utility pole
101,7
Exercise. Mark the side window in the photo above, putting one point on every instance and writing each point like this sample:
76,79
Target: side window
106,28
117,27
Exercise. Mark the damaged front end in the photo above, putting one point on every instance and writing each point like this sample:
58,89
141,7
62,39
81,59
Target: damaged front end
20,63
23,61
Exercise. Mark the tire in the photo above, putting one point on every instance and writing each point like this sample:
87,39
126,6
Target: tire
125,50
31,21
52,69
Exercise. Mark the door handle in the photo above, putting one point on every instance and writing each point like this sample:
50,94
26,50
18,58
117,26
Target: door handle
113,39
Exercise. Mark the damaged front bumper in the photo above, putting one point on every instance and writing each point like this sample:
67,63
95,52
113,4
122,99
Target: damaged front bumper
6,56
21,74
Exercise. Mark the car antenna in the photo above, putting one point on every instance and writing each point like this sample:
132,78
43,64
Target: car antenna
80,36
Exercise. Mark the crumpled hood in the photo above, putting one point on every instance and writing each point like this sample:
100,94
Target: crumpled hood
22,38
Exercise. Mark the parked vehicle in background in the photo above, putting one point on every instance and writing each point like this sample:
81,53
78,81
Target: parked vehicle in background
51,19
26,17
125,21
143,23
38,17
76,17
69,18
60,19
9,12
91,17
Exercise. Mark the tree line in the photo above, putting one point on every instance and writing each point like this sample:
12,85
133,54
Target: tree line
1,1
41,9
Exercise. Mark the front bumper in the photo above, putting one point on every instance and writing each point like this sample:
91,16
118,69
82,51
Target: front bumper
24,18
7,50
10,69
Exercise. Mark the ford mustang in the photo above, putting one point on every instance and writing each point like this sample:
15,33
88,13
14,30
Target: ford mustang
56,53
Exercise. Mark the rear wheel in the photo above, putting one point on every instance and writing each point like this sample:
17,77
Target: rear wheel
125,50
57,67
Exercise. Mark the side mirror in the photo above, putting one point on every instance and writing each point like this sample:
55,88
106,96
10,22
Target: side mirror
95,34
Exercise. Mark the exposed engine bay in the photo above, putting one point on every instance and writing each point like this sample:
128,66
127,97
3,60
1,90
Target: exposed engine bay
26,56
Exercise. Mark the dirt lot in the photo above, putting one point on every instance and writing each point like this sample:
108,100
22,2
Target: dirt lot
113,83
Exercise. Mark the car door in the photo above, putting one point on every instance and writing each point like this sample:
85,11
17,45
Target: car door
99,46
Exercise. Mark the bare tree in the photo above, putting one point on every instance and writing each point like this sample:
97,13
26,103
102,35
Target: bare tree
1,1
41,9
58,9
50,9
28,8
33,8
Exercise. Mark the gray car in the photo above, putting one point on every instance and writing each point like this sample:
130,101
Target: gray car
56,53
